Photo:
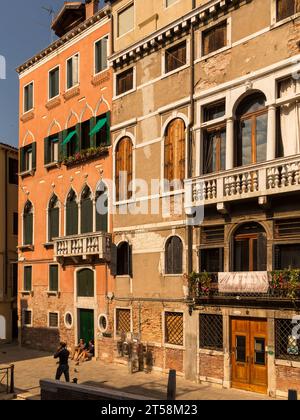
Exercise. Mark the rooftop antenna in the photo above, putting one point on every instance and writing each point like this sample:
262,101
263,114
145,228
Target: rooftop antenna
51,13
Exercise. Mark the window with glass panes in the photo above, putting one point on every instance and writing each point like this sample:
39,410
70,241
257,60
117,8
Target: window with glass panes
28,97
72,71
27,279
53,219
286,8
214,38
53,278
28,224
124,81
54,83
101,47
175,57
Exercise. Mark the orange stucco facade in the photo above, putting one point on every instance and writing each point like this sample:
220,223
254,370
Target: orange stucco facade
91,97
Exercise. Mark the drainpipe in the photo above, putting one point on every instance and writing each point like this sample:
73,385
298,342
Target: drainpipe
6,230
190,135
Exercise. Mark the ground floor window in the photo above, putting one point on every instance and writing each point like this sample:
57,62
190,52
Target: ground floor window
27,318
123,321
53,320
287,342
211,332
174,328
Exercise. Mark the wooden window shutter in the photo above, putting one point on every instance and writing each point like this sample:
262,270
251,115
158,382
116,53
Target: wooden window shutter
53,223
114,262
277,257
72,217
53,278
129,166
119,165
63,149
47,151
27,279
28,225
86,215
286,8
174,256
108,129
262,252
93,121
102,219
22,160
169,146
34,155
77,138
85,283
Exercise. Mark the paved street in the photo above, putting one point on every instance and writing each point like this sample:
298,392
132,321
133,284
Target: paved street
31,366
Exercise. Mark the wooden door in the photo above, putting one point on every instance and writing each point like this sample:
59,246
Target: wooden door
86,325
249,356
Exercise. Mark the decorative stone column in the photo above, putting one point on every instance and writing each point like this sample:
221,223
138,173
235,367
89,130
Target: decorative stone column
271,139
229,143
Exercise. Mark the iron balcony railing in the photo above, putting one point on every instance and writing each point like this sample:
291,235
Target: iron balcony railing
205,288
85,245
261,179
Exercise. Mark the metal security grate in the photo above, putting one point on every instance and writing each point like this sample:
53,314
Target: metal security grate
211,332
123,318
287,339
53,320
27,318
174,328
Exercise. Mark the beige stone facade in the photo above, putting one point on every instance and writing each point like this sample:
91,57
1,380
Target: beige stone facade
261,191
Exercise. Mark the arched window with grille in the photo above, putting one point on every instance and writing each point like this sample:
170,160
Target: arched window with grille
251,130
28,224
175,151
174,256
71,214
101,208
53,218
86,207
124,259
124,168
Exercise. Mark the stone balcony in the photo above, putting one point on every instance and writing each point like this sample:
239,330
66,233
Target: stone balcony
254,181
85,247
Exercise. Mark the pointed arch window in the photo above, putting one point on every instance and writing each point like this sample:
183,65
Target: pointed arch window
175,151
174,256
71,214
124,259
86,206
102,208
28,224
124,168
53,219
252,130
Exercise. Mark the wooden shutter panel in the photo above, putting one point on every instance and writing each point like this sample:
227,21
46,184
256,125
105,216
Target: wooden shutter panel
72,218
93,121
34,155
53,278
47,154
130,272
86,215
28,228
169,153
114,262
129,166
102,219
177,251
28,278
77,138
108,129
53,223
277,258
85,283
286,8
262,252
22,160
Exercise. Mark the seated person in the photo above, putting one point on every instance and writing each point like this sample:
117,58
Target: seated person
88,352
79,349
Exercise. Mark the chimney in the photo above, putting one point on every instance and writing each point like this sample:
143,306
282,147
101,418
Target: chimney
91,8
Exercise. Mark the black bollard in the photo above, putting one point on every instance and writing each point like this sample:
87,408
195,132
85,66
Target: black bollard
293,396
171,394
12,379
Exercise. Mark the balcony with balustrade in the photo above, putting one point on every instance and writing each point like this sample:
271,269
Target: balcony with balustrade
254,181
83,247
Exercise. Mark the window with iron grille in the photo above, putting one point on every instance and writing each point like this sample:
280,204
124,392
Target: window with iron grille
123,321
287,342
53,319
174,328
27,318
211,332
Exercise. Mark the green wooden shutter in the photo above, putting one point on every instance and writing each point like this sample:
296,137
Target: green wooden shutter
28,229
77,138
108,129
34,155
53,223
85,283
47,155
63,149
72,218
53,278
93,122
27,279
86,215
102,219
22,160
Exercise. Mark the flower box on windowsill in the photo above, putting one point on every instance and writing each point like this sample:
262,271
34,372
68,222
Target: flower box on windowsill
86,155
53,293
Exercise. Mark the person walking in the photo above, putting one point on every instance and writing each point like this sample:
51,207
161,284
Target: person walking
63,365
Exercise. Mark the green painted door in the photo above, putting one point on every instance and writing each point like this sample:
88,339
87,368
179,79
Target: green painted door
86,325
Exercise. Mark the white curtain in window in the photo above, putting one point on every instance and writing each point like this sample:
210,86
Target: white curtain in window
75,66
290,119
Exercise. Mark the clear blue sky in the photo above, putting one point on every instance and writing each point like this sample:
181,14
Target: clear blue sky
24,31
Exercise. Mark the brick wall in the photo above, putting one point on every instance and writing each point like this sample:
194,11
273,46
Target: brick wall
211,366
287,377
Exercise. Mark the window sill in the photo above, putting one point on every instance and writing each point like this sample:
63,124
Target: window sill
172,72
52,293
52,103
123,276
116,97
100,78
52,165
27,116
26,247
278,23
27,173
27,293
48,245
173,275
211,352
71,93
212,54
174,346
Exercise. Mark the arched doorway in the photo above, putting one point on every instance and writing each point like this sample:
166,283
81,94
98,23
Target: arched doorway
2,328
250,248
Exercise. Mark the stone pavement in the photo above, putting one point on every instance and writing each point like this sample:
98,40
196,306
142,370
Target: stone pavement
31,366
